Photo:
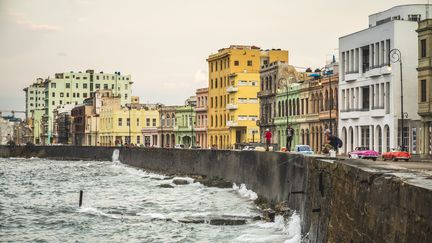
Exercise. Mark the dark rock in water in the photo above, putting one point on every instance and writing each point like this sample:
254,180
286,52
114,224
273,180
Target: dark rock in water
180,182
214,182
155,178
227,221
192,221
256,218
269,215
166,186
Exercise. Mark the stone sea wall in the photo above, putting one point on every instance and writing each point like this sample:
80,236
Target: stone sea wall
338,201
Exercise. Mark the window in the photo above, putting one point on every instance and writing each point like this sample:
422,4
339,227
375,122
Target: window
154,122
105,86
148,122
137,122
67,85
78,95
211,102
84,95
53,85
76,85
112,86
98,86
138,140
265,62
126,86
53,102
127,121
249,63
126,96
84,86
423,90
120,122
423,48
53,94
67,95
61,94
414,17
31,92
236,63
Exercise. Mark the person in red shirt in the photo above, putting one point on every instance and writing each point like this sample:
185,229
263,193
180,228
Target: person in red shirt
268,136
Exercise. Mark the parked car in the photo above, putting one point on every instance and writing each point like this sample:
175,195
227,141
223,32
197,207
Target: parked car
247,147
364,153
179,146
396,154
303,149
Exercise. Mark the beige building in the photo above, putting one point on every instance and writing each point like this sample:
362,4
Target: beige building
424,83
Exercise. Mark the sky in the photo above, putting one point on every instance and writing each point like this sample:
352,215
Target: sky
163,44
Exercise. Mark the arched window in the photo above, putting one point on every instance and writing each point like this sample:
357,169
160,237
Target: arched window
283,108
298,106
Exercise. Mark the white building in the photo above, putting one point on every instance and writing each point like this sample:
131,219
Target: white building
370,82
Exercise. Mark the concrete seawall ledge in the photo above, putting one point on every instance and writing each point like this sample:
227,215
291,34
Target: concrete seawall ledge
338,200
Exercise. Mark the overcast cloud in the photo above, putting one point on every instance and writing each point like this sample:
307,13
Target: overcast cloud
163,44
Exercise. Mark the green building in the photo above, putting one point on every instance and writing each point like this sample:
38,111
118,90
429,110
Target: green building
184,133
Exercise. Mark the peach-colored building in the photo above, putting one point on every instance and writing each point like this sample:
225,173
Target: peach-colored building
201,117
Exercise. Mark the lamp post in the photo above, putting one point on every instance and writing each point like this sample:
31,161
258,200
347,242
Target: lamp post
395,56
284,82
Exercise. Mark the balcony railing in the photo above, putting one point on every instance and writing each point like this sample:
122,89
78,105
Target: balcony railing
232,124
265,93
231,89
355,109
232,106
377,107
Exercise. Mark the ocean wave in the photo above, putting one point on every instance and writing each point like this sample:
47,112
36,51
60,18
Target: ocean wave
244,192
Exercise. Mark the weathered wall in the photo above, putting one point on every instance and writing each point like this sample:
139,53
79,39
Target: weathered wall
338,201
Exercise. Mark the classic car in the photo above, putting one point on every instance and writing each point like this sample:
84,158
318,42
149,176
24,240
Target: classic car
364,153
303,149
396,154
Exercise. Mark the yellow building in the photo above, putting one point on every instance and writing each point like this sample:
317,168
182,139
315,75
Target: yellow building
234,82
129,124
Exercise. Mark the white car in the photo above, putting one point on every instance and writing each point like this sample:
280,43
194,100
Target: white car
303,149
179,146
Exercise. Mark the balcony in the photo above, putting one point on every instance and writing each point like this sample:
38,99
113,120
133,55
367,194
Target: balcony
231,89
232,106
265,93
232,124
201,108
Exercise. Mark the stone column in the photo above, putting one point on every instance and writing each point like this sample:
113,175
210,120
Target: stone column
371,137
360,60
371,54
356,139
359,142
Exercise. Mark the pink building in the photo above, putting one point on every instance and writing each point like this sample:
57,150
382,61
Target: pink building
201,117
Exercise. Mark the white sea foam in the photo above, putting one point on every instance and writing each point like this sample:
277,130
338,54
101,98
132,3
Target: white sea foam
293,229
244,192
97,212
152,215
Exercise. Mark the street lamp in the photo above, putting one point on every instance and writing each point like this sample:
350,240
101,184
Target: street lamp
395,56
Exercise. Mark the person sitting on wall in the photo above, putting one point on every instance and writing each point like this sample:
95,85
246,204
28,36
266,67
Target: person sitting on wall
332,142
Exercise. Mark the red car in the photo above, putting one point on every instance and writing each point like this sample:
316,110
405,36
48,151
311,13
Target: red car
396,154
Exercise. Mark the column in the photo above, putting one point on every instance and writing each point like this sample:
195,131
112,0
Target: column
360,60
426,141
371,137
377,56
371,54
359,137
376,138
359,97
355,131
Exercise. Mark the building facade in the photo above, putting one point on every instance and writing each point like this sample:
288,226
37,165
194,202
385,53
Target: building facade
425,85
370,81
201,117
167,116
73,88
133,124
184,129
234,82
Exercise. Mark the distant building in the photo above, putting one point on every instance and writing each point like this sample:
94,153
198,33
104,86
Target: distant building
185,124
73,88
234,82
369,92
34,97
201,110
425,85
166,130
62,124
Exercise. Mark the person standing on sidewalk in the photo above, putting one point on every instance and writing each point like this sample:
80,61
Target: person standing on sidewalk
290,136
268,136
